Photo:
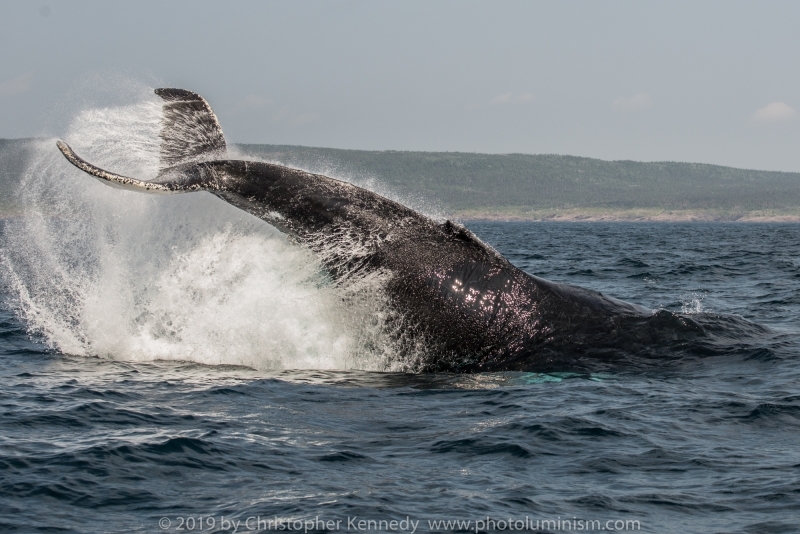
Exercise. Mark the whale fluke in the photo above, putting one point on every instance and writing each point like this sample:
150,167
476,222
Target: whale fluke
189,131
110,178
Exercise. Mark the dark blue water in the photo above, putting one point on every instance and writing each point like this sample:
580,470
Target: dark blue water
91,444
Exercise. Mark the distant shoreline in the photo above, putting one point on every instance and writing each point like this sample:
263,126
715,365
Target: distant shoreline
587,215
520,187
529,187
633,215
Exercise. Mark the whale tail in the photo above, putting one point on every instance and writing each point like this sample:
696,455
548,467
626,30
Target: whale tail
190,132
110,178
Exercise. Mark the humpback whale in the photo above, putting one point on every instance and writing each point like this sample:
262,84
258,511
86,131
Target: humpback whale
469,307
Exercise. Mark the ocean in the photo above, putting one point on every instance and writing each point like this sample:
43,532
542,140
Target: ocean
168,363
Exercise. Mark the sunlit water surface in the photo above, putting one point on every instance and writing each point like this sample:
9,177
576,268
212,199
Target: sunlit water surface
167,359
92,444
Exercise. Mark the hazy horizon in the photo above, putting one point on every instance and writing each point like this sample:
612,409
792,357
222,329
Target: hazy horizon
710,82
471,152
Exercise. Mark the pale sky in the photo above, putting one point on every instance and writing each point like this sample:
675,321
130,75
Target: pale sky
708,82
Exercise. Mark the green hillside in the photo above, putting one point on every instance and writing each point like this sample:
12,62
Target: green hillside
523,186
536,186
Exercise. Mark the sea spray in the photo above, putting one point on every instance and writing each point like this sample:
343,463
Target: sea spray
100,271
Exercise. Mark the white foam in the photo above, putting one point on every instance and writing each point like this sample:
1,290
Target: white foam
119,274
692,304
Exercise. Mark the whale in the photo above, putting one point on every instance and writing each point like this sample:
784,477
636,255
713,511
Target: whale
447,291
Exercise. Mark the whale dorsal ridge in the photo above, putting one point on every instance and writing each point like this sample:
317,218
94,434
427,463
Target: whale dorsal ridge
189,130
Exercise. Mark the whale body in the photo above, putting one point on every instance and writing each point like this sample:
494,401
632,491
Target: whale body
465,303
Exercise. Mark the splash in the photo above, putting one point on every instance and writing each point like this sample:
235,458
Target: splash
101,271
692,304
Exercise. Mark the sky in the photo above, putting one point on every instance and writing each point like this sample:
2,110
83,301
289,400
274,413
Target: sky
706,82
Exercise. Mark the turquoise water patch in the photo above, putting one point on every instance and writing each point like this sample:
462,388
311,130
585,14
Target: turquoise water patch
542,378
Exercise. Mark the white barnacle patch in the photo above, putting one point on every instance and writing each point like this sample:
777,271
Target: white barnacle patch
275,216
